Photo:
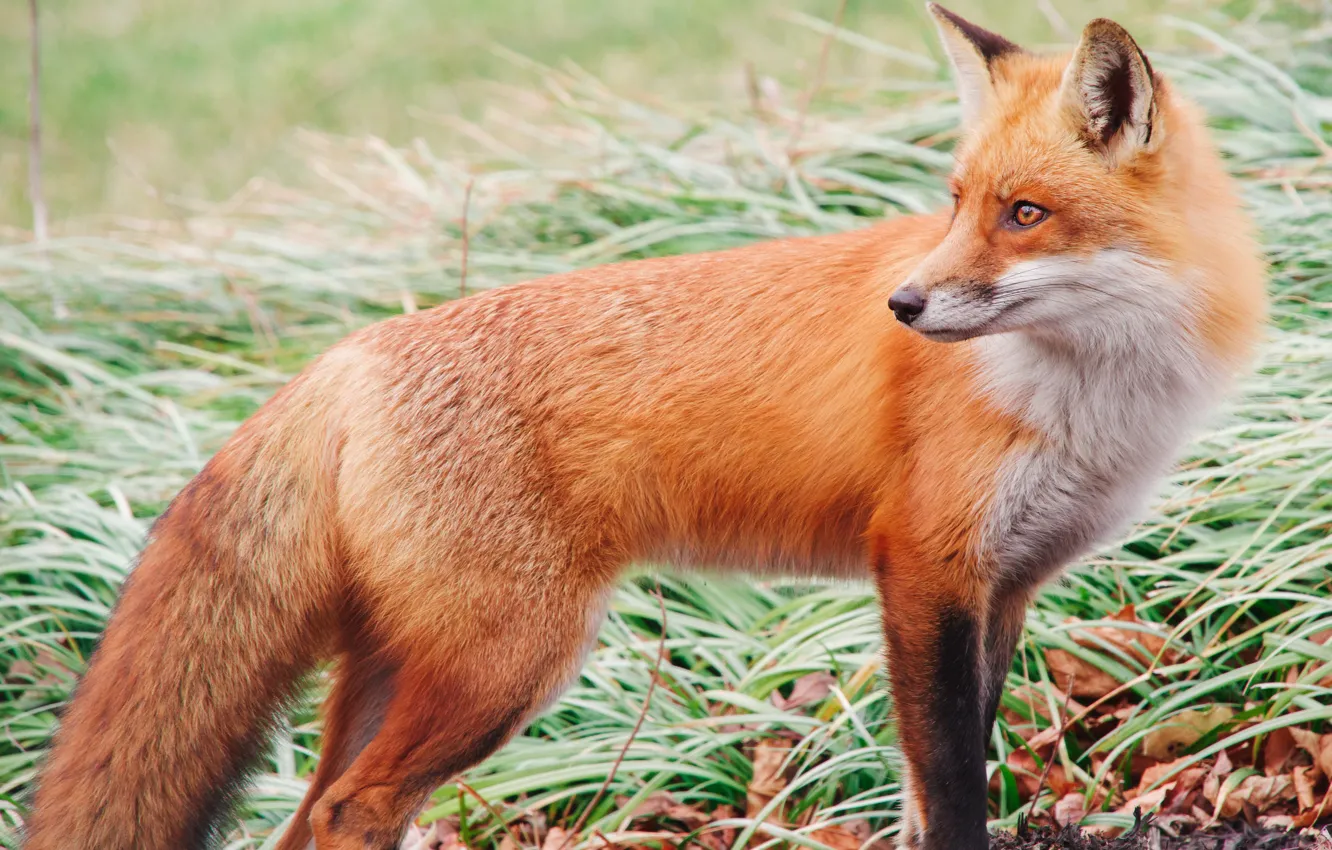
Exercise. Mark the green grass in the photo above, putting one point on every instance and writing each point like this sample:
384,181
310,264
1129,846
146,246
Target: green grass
149,100
127,357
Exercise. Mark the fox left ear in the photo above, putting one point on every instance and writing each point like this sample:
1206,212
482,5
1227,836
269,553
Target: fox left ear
972,50
1109,91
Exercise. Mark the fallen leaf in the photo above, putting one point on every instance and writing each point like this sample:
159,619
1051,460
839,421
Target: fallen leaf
837,837
1308,817
1087,679
663,804
719,839
1277,750
1153,774
1261,792
556,838
1038,705
1139,642
769,776
1303,779
812,687
1070,809
1188,791
1181,731
1221,768
1148,802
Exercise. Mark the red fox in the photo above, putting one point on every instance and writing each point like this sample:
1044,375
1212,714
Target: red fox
953,405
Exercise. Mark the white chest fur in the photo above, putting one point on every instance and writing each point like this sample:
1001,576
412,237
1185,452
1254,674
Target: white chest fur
1112,388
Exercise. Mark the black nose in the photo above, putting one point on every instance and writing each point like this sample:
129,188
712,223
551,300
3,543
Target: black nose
907,304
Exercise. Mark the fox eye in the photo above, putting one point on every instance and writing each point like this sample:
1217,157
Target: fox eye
1027,214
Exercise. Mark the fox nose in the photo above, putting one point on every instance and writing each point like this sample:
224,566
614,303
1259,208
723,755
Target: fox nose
907,304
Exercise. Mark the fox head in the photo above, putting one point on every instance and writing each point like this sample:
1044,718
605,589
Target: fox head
1061,192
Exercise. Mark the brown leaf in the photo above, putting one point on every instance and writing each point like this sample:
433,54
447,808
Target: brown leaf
1261,792
720,839
1039,704
1138,643
837,837
1188,790
1308,817
1168,740
1028,776
1071,809
1221,768
1087,680
556,838
1148,802
769,776
663,805
1303,778
1277,750
1311,743
812,687
1155,772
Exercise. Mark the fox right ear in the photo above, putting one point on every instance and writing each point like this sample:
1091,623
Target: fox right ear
1109,91
971,50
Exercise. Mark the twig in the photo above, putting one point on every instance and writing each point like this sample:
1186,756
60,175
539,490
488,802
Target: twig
466,238
1059,737
493,811
817,85
35,193
642,715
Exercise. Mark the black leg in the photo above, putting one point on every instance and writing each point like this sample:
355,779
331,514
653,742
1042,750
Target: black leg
936,666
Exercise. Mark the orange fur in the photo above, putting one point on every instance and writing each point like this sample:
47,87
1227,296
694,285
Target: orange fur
445,500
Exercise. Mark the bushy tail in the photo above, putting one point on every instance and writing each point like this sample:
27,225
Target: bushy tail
213,630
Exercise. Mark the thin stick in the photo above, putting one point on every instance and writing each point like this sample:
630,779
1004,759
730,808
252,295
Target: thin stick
642,715
493,811
1049,763
36,196
466,238
818,80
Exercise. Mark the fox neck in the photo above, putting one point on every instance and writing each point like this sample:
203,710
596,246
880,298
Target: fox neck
1108,400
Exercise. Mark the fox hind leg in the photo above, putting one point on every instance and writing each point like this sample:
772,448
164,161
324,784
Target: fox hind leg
457,697
353,714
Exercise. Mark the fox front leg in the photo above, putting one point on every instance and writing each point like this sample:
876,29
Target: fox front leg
935,640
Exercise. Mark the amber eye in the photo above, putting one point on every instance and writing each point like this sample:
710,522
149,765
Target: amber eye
1026,215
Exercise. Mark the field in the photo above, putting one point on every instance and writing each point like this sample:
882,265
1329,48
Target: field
148,103
1186,669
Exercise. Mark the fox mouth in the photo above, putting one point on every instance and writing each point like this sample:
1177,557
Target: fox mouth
942,332
987,324
954,334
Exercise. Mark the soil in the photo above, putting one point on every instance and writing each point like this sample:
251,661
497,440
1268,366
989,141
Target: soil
1239,836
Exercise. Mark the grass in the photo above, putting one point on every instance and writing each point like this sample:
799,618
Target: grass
127,357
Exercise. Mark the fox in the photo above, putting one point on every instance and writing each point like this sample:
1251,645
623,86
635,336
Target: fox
953,406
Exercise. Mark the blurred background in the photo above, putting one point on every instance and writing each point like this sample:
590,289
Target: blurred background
190,98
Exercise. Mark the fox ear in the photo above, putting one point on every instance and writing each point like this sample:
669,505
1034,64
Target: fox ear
971,49
1109,91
